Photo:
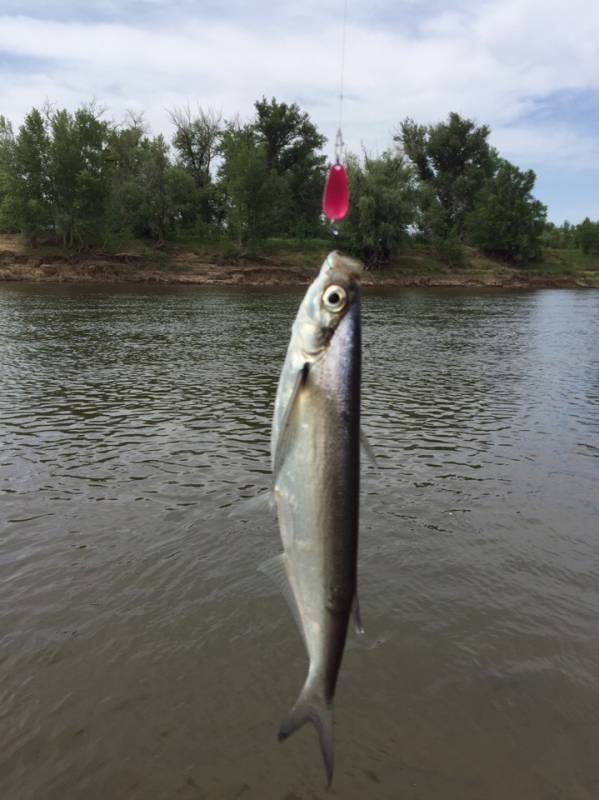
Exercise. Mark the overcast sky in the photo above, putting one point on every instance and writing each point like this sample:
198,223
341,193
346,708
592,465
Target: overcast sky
528,68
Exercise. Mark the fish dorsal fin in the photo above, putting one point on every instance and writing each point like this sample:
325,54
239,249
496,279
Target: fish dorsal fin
277,570
282,445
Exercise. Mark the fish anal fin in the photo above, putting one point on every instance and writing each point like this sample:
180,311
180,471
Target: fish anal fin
264,501
277,570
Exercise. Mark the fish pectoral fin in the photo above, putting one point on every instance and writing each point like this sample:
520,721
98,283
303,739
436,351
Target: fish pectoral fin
359,628
368,451
277,570
282,444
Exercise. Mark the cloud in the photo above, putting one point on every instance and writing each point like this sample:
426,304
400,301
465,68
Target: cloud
499,62
535,146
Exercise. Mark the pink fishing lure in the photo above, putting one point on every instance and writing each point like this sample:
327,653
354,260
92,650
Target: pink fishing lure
335,199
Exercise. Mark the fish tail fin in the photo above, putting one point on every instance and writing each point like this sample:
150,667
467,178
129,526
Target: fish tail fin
311,706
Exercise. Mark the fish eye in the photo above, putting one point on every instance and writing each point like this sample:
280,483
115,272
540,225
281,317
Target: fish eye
334,298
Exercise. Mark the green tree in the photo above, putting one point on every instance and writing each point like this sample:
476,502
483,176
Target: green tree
559,236
256,198
8,222
150,197
551,235
196,142
291,143
78,176
567,235
183,198
508,221
453,160
383,206
587,235
124,159
29,196
161,195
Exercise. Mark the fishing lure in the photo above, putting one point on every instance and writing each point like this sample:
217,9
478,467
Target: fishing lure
335,198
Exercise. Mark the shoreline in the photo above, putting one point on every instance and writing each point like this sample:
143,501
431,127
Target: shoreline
186,268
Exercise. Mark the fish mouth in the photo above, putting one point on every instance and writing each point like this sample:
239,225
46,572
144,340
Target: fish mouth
339,264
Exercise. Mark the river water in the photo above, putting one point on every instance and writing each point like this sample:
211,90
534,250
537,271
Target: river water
143,655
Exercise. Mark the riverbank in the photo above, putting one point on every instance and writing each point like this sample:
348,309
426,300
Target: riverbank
279,266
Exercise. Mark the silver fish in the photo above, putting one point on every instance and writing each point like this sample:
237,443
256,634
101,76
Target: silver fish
315,452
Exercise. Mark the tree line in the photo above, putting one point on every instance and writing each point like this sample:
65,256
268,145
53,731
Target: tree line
83,181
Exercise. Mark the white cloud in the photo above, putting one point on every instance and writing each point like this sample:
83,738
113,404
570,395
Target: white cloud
493,61
533,146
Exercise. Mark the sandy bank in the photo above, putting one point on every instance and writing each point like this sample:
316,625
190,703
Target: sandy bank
188,268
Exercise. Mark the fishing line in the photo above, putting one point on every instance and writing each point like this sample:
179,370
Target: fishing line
335,198
339,144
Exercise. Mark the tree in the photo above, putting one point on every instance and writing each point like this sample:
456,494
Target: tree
587,234
78,176
559,236
567,235
182,198
160,195
8,221
29,185
196,142
383,205
124,158
257,198
508,221
291,143
150,197
453,160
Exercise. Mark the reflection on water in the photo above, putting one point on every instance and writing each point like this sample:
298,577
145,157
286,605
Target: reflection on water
142,654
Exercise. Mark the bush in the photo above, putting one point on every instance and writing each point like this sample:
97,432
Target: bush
507,221
587,235
383,206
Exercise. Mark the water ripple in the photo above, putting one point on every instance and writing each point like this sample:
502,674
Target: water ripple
143,655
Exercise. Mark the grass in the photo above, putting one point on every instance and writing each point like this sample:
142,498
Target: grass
305,255
566,262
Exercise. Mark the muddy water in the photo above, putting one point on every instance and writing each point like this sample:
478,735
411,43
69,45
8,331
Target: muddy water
142,655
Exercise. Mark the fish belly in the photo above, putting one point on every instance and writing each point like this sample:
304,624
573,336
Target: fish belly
317,506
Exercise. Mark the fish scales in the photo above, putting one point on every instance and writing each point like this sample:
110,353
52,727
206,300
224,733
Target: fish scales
316,465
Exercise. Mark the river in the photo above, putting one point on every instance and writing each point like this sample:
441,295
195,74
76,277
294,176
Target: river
142,653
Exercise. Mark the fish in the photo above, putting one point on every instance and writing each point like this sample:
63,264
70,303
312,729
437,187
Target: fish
315,454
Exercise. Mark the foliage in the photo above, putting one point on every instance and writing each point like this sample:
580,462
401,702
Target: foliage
78,180
150,197
559,236
125,156
28,179
291,143
453,160
508,221
587,235
8,221
55,180
435,228
81,180
383,205
196,142
257,198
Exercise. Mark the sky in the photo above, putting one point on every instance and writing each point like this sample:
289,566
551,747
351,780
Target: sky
527,68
